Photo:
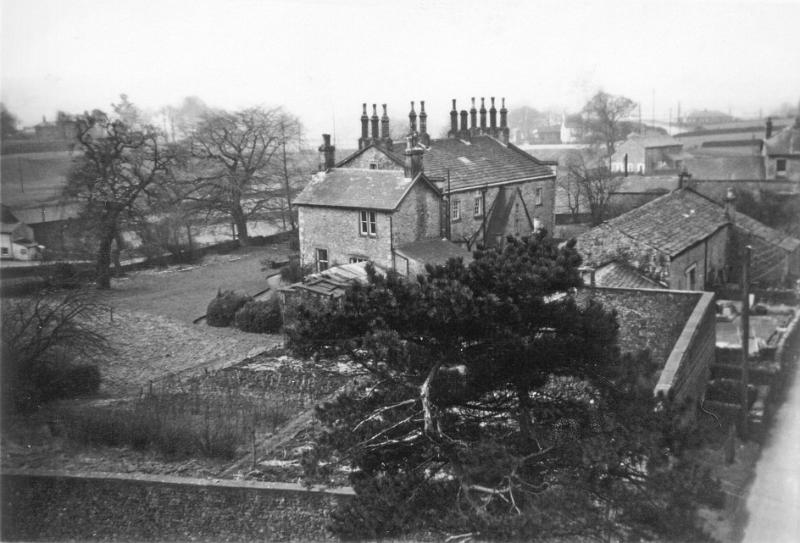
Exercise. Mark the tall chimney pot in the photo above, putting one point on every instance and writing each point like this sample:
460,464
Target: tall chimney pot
464,133
364,139
453,121
492,119
374,119
768,132
483,116
385,138
412,119
473,118
423,125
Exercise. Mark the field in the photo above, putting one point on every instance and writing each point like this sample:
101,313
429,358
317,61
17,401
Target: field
180,398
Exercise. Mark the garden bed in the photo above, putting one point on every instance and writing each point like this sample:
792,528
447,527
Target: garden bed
200,426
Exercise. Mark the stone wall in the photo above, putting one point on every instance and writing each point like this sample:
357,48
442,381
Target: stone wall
649,319
109,507
337,230
418,217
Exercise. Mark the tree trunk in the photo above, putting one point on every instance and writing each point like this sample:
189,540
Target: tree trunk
240,221
119,244
287,188
103,265
524,414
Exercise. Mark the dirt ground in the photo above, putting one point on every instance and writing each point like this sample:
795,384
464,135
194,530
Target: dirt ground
151,312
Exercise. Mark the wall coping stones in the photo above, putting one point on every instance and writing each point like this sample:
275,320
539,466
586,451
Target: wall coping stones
181,481
667,378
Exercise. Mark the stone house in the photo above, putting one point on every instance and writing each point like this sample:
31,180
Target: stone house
690,242
351,215
16,238
781,153
490,188
648,155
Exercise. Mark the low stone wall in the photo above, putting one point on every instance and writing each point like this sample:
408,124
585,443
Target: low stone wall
47,506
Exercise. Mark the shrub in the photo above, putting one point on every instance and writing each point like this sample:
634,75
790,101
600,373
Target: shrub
293,272
222,309
42,337
63,275
260,317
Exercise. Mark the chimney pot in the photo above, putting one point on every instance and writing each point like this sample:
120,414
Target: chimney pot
412,117
483,116
423,124
412,164
374,119
473,118
492,119
453,121
364,139
464,134
328,153
768,133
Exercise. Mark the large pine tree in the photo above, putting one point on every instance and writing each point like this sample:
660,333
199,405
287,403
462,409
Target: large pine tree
497,406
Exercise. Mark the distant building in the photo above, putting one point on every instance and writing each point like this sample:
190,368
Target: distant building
782,153
706,117
687,241
572,128
16,238
648,155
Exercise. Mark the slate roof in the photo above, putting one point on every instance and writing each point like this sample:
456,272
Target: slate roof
726,167
785,142
620,275
382,190
650,142
670,223
775,237
481,161
434,251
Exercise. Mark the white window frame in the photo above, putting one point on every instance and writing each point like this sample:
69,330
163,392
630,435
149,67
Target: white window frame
368,223
455,209
537,196
318,253
477,206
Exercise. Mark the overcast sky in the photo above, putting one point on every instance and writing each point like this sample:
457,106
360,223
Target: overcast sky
322,59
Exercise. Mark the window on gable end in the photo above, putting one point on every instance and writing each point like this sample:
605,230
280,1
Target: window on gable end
368,223
780,167
537,196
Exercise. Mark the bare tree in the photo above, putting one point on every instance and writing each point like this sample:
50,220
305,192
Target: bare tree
239,164
604,116
591,181
114,176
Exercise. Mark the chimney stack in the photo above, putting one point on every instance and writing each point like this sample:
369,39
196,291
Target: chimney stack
730,199
473,119
453,121
483,116
423,125
492,119
412,120
412,165
327,154
464,132
363,141
683,178
374,119
768,133
504,122
386,140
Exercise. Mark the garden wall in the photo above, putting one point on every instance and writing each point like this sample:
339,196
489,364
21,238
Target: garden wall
45,506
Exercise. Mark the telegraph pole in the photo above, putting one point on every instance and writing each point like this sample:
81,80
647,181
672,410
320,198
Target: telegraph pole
745,338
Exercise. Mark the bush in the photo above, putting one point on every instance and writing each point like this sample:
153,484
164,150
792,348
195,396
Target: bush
42,338
63,275
293,272
259,317
222,309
